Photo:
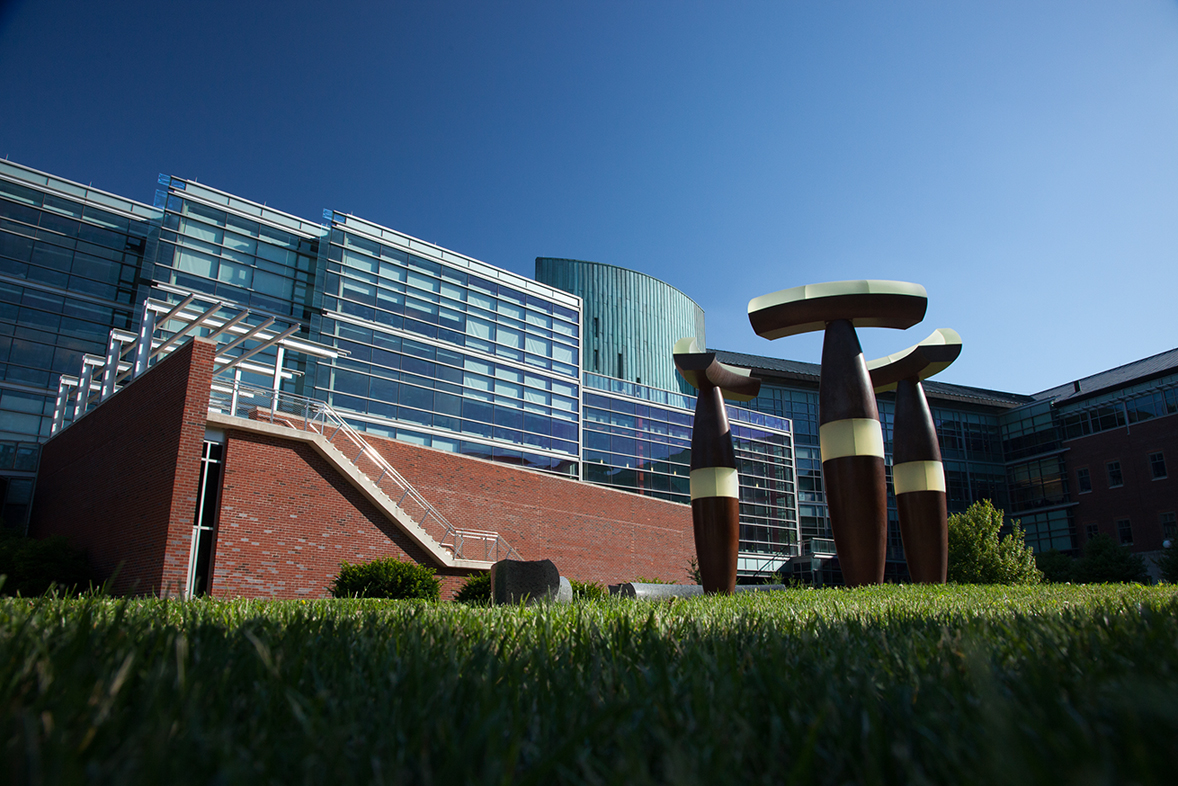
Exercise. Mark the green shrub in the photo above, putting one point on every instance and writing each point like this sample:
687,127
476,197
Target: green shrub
476,590
1057,567
1168,565
977,556
386,578
32,566
644,580
1105,560
588,590
693,570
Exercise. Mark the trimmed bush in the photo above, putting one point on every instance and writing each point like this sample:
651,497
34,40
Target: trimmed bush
476,590
588,590
32,565
1105,560
386,578
1057,567
1168,565
978,556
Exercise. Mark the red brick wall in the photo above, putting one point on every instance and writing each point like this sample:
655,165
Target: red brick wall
122,481
592,533
288,519
1141,499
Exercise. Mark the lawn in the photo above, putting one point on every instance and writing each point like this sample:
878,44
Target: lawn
896,684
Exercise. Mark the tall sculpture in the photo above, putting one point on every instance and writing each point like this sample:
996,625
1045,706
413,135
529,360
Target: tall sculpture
715,488
917,473
849,431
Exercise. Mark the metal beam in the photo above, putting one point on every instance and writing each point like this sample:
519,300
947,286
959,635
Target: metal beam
242,339
192,325
259,348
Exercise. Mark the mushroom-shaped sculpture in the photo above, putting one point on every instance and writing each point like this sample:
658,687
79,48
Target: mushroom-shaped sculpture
849,432
715,488
917,473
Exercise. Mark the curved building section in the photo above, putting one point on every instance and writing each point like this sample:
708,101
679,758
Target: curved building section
631,320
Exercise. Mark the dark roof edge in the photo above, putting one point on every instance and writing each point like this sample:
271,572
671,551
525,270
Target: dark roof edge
809,372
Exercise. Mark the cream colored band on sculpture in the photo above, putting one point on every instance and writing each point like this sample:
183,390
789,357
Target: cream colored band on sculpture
714,482
918,476
851,437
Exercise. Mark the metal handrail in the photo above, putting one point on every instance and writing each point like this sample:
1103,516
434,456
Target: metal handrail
301,413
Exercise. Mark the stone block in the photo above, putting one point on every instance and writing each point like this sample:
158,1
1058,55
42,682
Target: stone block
565,593
515,581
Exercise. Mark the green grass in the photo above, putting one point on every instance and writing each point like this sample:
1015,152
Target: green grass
955,685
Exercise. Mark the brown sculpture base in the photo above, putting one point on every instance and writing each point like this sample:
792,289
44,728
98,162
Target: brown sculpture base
716,521
857,497
926,538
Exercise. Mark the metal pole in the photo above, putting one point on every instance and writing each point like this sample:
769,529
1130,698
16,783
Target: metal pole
83,390
59,405
143,343
279,356
114,350
236,392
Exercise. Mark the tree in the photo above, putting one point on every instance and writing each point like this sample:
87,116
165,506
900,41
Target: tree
978,556
1057,567
1168,565
1105,560
32,566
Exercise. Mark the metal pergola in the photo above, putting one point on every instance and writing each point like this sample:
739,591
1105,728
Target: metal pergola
128,355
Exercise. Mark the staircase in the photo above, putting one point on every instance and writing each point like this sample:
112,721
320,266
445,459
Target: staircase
314,421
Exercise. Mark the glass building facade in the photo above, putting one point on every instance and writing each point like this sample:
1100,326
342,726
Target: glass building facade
638,438
449,352
631,320
73,266
570,373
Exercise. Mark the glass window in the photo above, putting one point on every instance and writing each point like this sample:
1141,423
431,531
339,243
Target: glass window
360,262
201,231
242,225
275,286
480,328
476,381
513,338
510,309
1084,480
1157,465
239,243
235,275
282,256
419,398
384,390
453,292
1170,527
209,214
1125,532
1115,479
481,300
350,382
422,281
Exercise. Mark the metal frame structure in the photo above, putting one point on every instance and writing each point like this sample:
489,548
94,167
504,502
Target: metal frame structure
129,355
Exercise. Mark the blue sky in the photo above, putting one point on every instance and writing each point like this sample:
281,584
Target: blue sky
1019,159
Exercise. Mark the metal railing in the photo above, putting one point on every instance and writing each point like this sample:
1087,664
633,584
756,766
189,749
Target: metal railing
231,397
